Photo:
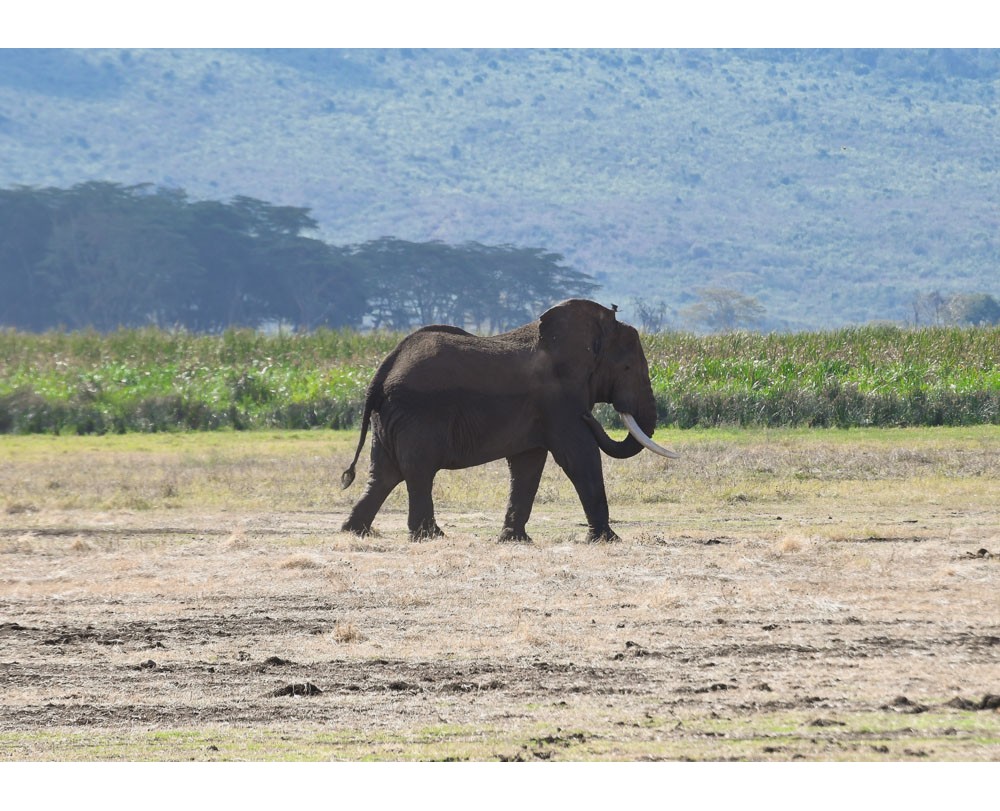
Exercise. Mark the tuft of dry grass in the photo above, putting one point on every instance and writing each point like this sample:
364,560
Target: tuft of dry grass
790,544
21,545
530,634
81,546
301,561
346,632
237,538
662,597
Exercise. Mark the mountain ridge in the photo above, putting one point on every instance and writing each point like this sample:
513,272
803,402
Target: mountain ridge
832,186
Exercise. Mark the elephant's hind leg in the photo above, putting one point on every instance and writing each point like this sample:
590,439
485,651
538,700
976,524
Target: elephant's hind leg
525,474
382,480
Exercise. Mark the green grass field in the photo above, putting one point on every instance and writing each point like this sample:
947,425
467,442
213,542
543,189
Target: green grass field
152,380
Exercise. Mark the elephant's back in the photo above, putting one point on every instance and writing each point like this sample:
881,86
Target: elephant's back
448,358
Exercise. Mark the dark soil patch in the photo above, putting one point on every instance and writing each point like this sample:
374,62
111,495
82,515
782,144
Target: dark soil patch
271,661
303,689
987,702
904,705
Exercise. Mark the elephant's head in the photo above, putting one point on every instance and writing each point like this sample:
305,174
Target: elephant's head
601,359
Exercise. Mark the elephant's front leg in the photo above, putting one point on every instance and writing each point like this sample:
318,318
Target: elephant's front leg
577,453
421,521
525,474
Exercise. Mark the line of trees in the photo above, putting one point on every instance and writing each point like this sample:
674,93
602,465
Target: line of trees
964,309
104,255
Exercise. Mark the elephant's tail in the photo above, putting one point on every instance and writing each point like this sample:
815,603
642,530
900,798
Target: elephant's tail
347,477
373,399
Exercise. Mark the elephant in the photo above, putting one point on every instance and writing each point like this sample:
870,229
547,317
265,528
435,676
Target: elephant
447,399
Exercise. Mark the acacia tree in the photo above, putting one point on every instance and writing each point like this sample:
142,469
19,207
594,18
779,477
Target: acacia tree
527,281
721,309
476,286
25,224
929,308
317,285
407,281
973,309
651,315
969,309
113,259
261,267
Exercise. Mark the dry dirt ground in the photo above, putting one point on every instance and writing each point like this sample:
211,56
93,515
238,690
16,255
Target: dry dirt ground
776,596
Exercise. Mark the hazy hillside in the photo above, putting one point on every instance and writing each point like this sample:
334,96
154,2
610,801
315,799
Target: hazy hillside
832,186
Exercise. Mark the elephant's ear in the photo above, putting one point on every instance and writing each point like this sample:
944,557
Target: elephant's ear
575,330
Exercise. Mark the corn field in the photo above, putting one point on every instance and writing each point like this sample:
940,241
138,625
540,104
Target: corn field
154,380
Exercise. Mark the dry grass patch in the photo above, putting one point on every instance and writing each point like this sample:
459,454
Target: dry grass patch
301,561
712,614
20,545
237,538
791,544
346,632
81,546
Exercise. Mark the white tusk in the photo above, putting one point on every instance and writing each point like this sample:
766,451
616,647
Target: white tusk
642,439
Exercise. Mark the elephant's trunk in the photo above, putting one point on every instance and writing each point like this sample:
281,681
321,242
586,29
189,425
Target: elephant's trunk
637,439
625,449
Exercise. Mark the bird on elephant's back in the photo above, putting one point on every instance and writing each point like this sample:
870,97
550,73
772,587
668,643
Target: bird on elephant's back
447,399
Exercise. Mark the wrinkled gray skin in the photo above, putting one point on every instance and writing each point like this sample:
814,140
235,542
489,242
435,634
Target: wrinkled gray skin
446,399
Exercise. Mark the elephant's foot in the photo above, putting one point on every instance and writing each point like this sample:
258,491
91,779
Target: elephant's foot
426,533
510,535
357,527
606,535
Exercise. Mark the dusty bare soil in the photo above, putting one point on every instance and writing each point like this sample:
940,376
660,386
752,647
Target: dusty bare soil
782,597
